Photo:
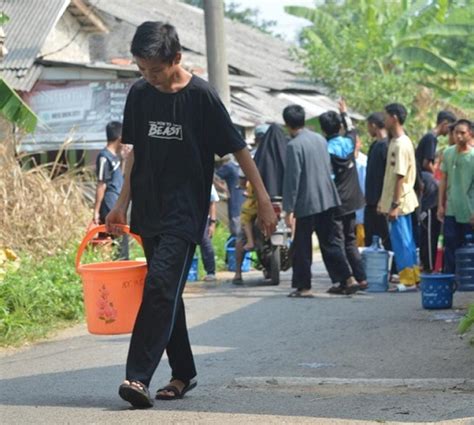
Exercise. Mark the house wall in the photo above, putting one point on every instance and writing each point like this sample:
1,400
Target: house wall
70,43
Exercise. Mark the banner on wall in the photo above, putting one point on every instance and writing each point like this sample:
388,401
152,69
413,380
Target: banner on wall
75,111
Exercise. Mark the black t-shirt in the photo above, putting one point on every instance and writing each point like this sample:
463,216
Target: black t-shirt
175,137
429,198
426,149
376,160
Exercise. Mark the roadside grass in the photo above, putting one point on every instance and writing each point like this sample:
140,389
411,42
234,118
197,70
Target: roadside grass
42,296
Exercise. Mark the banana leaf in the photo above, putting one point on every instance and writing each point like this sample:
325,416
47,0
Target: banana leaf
15,110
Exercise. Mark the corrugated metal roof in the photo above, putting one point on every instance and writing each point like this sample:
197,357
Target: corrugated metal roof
30,23
24,79
248,50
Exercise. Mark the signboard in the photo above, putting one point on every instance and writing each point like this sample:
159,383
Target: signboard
75,110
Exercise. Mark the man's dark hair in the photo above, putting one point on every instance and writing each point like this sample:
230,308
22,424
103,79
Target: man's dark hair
113,130
330,123
294,116
445,116
466,122
397,110
156,40
376,118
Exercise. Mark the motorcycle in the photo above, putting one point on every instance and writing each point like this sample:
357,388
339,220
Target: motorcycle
274,253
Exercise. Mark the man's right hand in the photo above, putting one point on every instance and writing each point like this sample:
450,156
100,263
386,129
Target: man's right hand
96,218
116,218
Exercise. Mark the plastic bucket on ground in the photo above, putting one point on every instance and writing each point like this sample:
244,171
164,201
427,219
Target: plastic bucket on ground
112,290
193,274
230,257
437,291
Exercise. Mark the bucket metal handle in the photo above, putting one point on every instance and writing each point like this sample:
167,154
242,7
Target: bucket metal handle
101,229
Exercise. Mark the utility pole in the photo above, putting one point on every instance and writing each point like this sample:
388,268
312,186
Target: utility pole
215,47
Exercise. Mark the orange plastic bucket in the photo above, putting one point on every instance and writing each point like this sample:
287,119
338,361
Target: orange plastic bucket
112,290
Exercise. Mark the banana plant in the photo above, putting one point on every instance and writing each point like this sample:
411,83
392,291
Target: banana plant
12,106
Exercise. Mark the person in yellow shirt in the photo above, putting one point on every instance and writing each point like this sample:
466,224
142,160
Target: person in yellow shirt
398,198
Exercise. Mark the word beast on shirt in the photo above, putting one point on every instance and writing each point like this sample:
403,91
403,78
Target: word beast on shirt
165,130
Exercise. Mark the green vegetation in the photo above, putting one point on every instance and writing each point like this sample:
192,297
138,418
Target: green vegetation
12,106
374,52
39,296
468,321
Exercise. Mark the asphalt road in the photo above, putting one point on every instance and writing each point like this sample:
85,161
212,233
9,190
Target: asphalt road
264,358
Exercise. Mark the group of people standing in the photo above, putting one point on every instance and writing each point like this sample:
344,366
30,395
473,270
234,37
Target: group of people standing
405,195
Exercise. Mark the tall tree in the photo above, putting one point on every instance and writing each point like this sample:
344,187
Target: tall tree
374,51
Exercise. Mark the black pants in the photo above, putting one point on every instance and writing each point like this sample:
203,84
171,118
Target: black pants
430,228
333,255
161,320
346,236
376,225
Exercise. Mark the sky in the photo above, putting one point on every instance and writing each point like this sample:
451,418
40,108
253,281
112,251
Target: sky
287,25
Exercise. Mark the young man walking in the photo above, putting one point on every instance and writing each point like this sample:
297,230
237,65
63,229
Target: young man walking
456,191
341,150
399,200
310,195
109,173
176,123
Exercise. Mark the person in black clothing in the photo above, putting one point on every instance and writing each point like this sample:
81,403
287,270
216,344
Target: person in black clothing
109,173
425,225
176,123
430,226
376,224
425,152
342,152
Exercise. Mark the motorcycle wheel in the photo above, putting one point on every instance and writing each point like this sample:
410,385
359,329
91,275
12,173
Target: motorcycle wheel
275,266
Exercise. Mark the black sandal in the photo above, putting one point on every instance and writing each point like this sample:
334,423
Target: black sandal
176,393
136,394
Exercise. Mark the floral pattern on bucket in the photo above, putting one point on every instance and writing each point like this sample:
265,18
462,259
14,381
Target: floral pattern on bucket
106,312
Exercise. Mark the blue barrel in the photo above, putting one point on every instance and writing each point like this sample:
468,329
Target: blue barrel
230,256
465,265
375,259
437,291
193,274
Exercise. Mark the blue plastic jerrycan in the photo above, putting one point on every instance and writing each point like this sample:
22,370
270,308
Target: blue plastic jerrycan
376,260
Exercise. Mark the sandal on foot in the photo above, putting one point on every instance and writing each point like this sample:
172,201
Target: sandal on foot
176,393
351,289
136,394
337,290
